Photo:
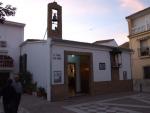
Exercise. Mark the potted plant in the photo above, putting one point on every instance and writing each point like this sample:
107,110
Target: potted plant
41,92
28,89
26,80
34,89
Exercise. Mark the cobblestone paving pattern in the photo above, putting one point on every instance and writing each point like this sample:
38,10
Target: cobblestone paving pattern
109,105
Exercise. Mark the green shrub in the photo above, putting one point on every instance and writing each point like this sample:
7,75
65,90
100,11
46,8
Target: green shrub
27,81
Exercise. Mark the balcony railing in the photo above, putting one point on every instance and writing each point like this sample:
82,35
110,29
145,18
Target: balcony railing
6,64
140,29
6,61
145,51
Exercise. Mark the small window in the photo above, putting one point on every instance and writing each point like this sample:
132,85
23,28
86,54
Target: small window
143,43
147,72
3,44
102,66
124,75
144,49
23,63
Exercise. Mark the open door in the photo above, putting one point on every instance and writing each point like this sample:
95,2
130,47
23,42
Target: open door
78,71
71,72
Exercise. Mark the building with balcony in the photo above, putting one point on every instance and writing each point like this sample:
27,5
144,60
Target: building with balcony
139,42
11,36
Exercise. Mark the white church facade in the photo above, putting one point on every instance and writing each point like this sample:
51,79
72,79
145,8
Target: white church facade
68,68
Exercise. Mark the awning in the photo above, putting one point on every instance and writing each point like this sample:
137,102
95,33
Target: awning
6,61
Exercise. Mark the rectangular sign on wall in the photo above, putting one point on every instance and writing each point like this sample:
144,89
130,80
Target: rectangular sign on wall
56,57
57,76
102,66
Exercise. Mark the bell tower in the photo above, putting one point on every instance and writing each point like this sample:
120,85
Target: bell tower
54,21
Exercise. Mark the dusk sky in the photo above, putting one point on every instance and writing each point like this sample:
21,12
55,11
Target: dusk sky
83,20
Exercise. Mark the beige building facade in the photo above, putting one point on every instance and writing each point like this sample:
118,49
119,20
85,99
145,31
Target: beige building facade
139,42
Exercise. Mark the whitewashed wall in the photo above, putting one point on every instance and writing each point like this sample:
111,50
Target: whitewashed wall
38,61
126,65
101,57
14,35
98,56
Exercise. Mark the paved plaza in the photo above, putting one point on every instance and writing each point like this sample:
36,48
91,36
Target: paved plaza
138,103
115,103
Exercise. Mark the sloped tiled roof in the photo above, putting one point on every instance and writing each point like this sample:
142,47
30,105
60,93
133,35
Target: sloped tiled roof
125,45
104,41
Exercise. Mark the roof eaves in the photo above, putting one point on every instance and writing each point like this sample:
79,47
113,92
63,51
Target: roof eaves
14,23
32,41
103,41
139,13
125,49
79,43
88,44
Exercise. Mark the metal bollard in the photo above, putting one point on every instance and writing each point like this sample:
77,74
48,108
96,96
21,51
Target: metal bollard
141,88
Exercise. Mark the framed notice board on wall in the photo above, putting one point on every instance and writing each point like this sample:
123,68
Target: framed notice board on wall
102,66
57,76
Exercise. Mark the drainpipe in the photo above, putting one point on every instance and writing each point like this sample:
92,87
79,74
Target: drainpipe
131,64
20,52
51,67
49,78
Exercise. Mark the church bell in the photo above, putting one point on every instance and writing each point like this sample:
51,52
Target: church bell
54,19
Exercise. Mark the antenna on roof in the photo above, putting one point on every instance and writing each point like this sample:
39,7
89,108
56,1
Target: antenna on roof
45,34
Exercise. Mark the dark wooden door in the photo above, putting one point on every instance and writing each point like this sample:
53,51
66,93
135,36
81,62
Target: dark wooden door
85,73
115,73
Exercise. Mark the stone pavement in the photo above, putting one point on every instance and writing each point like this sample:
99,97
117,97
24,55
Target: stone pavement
21,110
137,103
114,103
